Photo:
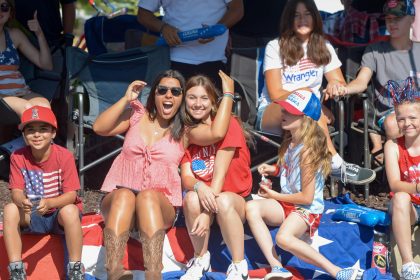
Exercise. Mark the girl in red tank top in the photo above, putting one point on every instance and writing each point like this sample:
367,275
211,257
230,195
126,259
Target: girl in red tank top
403,171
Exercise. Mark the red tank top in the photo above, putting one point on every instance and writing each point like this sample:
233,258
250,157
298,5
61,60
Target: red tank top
409,167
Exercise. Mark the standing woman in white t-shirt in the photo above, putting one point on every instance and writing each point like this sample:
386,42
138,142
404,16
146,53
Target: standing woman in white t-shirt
300,58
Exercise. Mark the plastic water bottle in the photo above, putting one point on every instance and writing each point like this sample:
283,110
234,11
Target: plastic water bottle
380,252
197,33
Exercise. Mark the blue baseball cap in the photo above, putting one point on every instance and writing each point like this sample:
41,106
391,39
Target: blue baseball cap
302,102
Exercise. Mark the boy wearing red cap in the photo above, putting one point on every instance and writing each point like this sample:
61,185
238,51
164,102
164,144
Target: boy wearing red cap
44,184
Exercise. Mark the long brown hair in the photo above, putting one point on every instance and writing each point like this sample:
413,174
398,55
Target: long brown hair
213,94
177,128
12,12
314,145
291,46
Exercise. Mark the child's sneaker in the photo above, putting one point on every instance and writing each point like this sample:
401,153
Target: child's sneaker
17,271
196,267
349,274
278,272
238,271
410,271
76,271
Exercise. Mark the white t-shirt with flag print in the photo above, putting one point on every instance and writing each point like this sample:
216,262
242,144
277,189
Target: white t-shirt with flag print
304,74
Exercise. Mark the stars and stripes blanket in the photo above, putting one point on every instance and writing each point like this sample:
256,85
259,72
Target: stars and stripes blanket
345,244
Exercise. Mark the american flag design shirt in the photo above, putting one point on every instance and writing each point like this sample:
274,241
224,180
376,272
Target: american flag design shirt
202,163
47,179
11,80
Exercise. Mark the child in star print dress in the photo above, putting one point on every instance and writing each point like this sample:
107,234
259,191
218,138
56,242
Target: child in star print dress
303,165
403,172
13,88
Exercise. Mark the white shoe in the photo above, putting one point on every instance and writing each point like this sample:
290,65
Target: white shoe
238,271
196,267
410,271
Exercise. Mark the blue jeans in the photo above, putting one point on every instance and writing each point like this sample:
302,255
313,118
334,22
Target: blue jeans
47,223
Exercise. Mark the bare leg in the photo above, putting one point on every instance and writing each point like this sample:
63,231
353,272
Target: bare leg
14,217
20,104
288,238
155,214
391,128
118,211
401,225
192,209
68,218
259,214
230,218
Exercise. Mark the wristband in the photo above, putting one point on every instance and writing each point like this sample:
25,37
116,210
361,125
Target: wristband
277,171
196,185
162,26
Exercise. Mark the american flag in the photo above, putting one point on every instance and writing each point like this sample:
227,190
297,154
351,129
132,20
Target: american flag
306,64
203,168
39,184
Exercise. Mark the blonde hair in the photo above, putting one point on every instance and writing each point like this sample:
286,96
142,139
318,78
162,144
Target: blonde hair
314,142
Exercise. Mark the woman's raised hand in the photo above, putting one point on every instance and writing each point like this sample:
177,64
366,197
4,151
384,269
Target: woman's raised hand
134,90
228,84
33,24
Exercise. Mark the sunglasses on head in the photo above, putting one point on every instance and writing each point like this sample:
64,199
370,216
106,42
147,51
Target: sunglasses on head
5,7
162,90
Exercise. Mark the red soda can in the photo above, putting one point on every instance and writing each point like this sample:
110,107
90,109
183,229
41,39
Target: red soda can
380,253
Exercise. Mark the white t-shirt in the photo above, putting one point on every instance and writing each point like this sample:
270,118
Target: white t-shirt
190,14
304,74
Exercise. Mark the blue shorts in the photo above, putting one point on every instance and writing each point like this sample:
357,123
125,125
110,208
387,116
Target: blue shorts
47,223
417,208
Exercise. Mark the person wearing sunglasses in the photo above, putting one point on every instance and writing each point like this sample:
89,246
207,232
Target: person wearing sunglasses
143,185
13,88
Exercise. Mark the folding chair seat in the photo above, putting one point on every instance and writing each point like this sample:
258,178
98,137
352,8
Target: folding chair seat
102,81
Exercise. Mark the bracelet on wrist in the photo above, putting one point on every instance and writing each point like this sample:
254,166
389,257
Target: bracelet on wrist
196,186
277,171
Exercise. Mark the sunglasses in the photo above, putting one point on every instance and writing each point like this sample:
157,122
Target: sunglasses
5,7
162,90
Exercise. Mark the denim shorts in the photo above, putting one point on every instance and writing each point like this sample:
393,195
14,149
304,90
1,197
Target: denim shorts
417,208
47,223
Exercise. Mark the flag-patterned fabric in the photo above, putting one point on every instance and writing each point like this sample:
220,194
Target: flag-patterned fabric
41,184
345,244
11,80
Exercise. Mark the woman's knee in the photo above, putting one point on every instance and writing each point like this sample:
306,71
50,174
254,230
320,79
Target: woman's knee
252,210
123,197
224,203
191,202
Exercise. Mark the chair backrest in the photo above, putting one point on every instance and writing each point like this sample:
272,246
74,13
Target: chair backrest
106,77
103,34
247,70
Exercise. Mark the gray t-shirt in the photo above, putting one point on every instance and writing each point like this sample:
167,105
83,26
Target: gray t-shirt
387,64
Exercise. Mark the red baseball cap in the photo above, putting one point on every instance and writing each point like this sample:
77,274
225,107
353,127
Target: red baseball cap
38,114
